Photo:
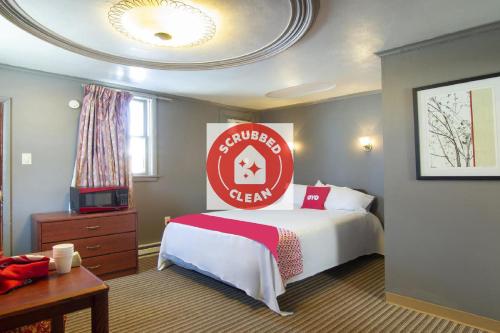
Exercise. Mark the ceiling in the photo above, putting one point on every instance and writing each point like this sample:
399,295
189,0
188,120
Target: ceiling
242,27
338,48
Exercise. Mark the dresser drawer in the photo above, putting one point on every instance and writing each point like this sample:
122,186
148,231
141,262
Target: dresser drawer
111,262
97,246
83,228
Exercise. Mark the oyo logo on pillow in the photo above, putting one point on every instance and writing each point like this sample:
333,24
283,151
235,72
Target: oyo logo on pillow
249,166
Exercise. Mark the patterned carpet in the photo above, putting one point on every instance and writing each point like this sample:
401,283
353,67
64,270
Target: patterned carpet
349,298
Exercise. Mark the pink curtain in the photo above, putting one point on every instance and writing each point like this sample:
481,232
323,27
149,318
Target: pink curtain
102,153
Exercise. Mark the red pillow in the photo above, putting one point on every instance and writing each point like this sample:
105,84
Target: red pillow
315,197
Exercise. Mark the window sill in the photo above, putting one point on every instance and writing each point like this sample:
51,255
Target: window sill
145,178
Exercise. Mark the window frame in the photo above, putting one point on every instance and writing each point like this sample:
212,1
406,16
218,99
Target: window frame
150,128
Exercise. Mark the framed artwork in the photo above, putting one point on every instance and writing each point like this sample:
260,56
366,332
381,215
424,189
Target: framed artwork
457,129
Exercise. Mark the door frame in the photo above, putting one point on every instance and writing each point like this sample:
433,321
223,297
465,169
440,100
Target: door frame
7,176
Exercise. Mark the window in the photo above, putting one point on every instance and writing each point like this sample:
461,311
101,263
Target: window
142,134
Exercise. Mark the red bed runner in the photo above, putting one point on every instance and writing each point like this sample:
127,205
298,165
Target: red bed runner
283,244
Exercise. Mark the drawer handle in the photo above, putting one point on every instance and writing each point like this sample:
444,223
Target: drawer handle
94,267
93,247
93,227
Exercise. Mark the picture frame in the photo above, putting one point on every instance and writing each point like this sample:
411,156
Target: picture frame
457,129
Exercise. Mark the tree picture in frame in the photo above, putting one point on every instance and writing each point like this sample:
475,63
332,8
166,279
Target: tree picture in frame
457,129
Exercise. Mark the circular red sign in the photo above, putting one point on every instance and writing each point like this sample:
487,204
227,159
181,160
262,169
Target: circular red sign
249,166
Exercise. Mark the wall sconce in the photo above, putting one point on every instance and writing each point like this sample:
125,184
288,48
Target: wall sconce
366,143
295,146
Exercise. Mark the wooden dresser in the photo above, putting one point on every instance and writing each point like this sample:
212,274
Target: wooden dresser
107,242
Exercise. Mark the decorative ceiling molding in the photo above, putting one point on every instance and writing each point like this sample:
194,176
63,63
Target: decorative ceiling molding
322,101
302,17
440,39
133,89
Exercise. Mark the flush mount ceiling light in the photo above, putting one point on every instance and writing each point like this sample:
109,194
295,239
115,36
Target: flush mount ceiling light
162,22
301,90
39,23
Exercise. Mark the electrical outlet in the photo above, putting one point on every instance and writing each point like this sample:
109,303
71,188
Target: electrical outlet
26,158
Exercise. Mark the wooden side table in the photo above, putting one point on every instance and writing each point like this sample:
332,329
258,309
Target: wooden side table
55,296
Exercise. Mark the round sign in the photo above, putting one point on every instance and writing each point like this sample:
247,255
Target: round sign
249,166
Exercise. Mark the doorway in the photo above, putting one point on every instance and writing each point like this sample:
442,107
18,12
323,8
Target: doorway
5,218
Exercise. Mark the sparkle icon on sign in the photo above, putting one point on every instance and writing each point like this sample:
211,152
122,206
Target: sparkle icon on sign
254,168
250,167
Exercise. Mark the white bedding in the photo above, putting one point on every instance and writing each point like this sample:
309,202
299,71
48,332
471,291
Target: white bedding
328,238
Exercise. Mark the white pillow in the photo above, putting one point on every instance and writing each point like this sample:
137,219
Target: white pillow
345,198
299,192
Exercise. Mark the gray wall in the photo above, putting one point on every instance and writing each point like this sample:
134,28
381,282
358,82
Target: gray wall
181,188
442,237
44,125
327,137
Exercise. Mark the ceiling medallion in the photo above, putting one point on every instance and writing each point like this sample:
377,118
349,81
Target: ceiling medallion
162,22
302,18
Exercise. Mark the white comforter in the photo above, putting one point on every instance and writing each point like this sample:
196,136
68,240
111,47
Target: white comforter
328,238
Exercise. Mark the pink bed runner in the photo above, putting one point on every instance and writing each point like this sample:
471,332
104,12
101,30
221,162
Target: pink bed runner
283,244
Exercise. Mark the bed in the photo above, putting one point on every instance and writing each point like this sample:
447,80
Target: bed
328,238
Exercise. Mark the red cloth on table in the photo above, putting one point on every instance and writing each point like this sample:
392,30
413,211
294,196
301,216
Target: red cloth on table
18,271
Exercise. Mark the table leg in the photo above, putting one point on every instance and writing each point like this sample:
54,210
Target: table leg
57,324
100,320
